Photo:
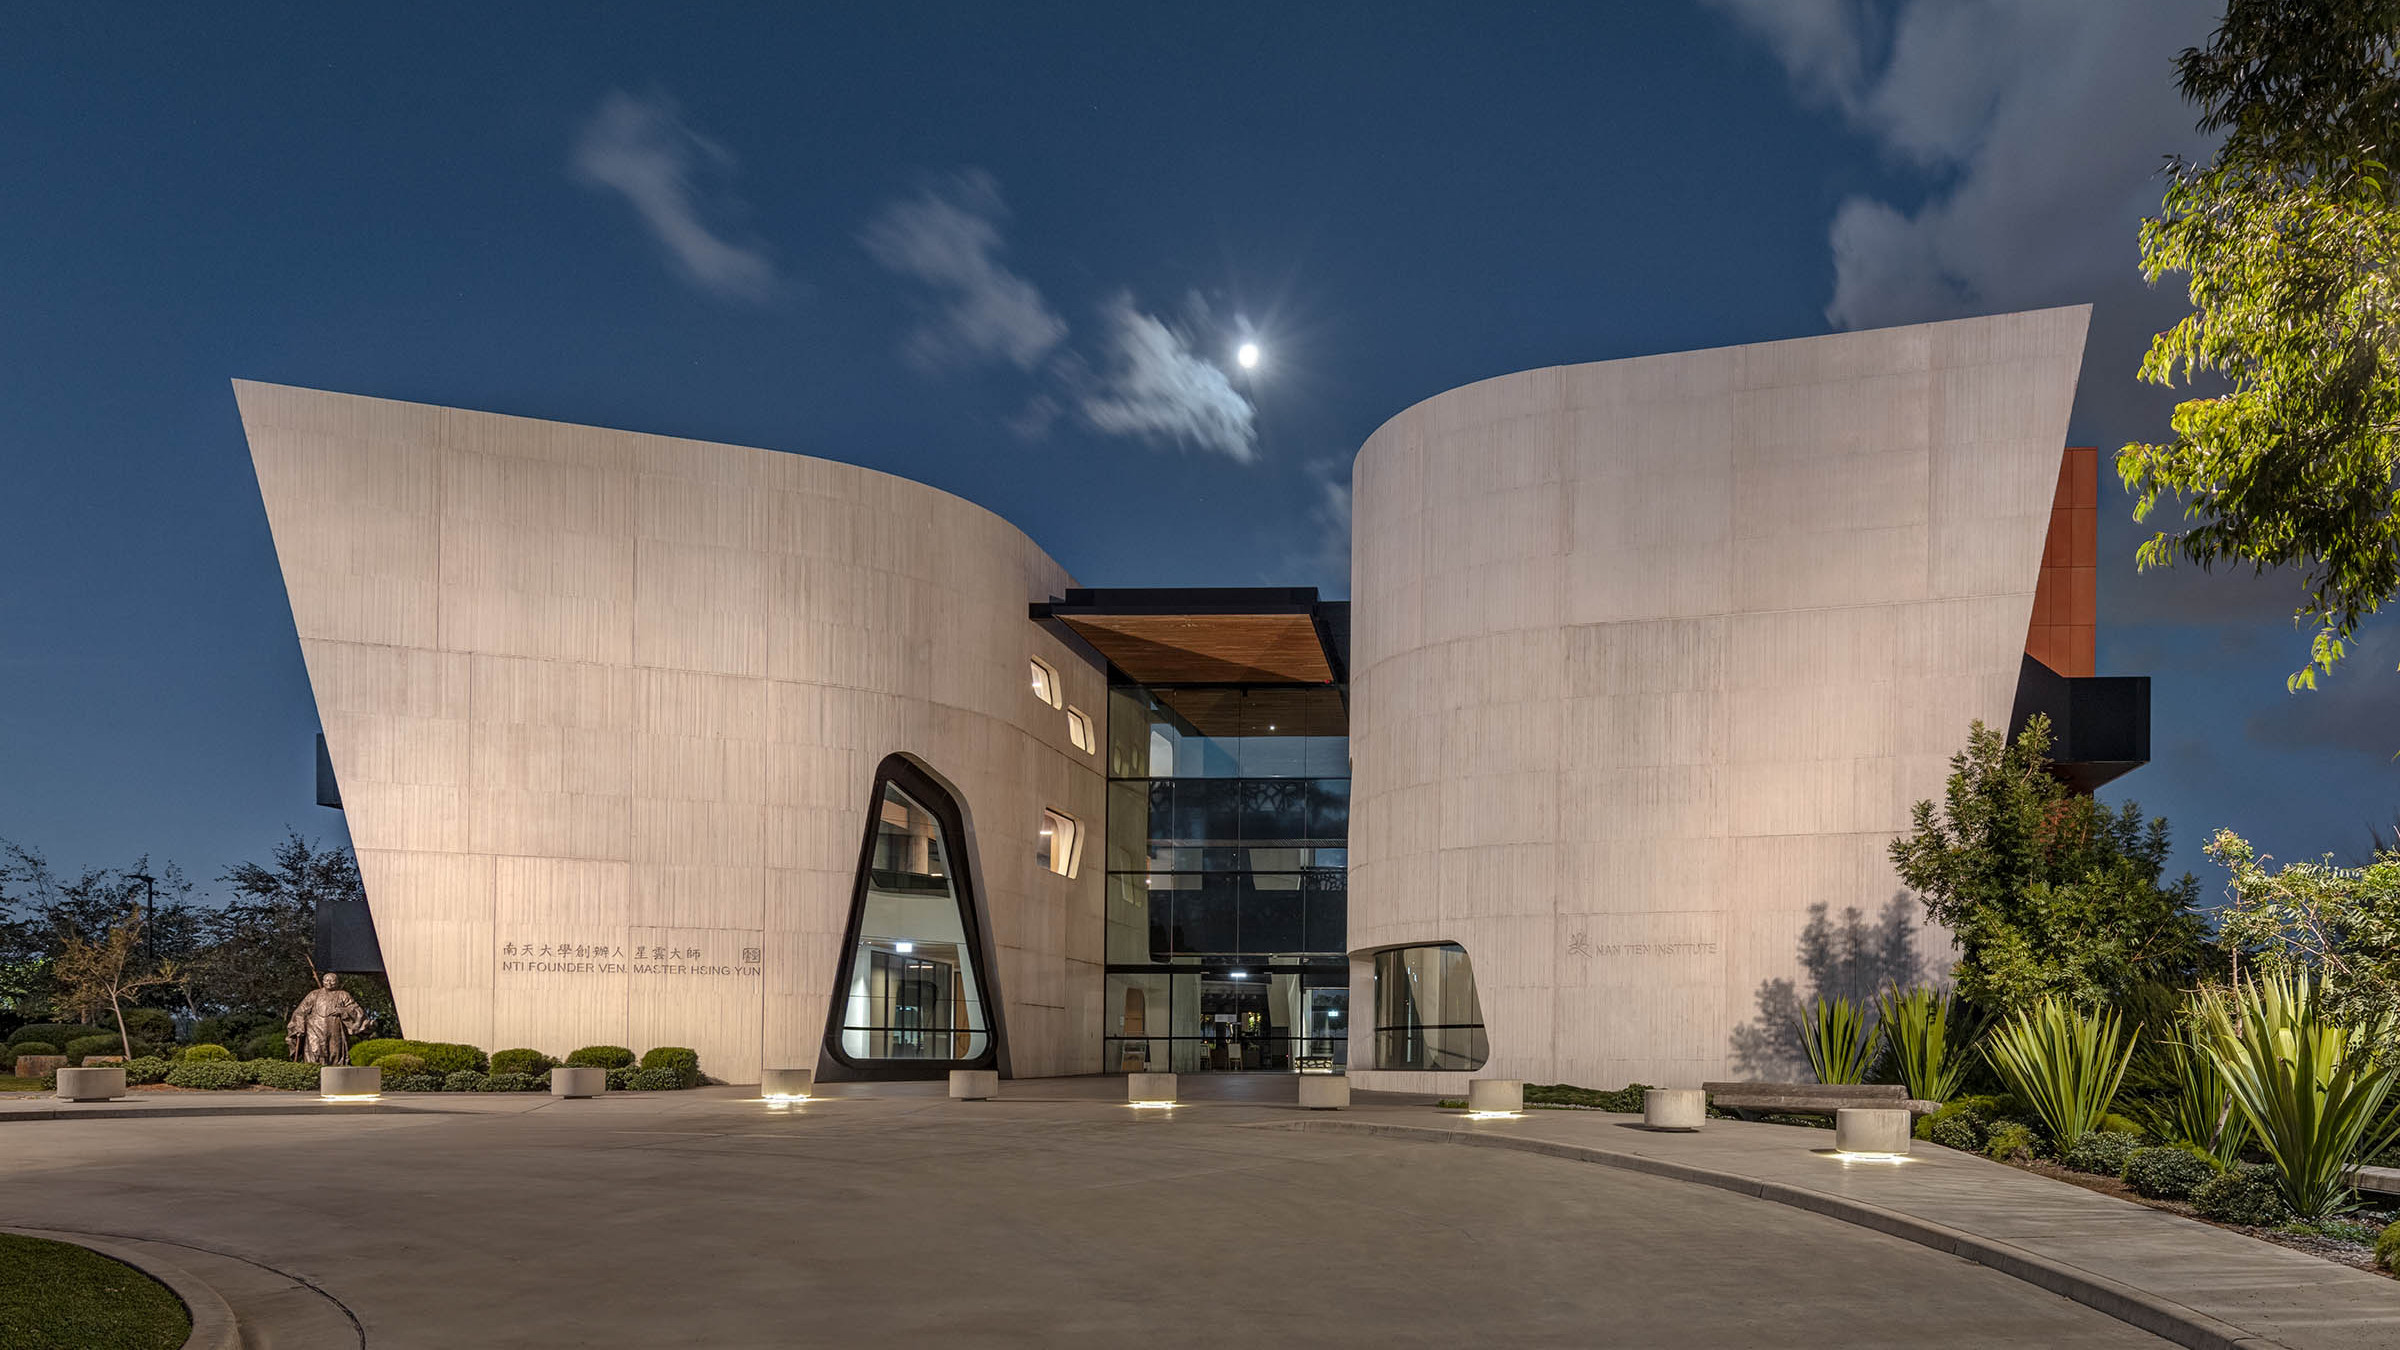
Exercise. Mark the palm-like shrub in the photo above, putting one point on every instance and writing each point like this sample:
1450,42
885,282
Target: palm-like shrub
1917,1027
2064,1062
1840,1041
2199,1114
2311,1088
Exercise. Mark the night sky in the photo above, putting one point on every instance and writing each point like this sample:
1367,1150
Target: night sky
1010,251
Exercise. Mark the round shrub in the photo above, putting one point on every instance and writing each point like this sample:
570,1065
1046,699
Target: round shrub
527,1062
441,1057
621,1079
146,1070
654,1080
415,1082
56,1033
368,1051
2387,1249
2166,1173
601,1057
2102,1153
1964,1132
267,1045
282,1073
463,1080
401,1064
93,1045
207,1052
684,1063
33,1048
2243,1195
2012,1141
211,1075
507,1082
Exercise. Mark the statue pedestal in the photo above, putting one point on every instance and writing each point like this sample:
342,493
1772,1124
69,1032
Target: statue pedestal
349,1080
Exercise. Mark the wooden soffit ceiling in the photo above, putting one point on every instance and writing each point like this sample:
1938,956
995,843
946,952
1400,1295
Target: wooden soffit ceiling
1208,648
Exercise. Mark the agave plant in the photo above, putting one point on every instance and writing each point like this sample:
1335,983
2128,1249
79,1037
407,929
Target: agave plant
2063,1061
1917,1026
2311,1088
2199,1114
1841,1042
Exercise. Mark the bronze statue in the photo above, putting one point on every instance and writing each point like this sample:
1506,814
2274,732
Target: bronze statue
321,1027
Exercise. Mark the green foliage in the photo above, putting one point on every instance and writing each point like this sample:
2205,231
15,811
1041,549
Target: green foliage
508,1082
363,1053
2340,924
55,1294
207,1052
2198,1112
441,1057
1919,1028
213,1075
463,1080
2012,1141
81,1046
146,1070
2166,1173
400,1064
282,1073
2245,1194
601,1057
2387,1249
2102,1153
267,1045
2291,242
1840,1041
2063,1062
654,1080
154,1025
527,1062
684,1064
622,1078
56,1033
233,1028
2311,1088
415,1082
1625,1100
261,952
33,1048
2048,892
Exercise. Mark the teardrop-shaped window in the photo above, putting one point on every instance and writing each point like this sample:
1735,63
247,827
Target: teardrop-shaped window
911,991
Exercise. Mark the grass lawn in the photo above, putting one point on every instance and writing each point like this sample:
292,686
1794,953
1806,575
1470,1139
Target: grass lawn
12,1083
58,1296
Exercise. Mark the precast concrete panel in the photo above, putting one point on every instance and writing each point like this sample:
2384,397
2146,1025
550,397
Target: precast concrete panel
1651,658
606,710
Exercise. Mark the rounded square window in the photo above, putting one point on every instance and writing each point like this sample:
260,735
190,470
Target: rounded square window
1061,845
1079,732
1045,684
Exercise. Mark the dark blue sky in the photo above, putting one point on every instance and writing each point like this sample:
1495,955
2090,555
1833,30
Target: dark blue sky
1000,249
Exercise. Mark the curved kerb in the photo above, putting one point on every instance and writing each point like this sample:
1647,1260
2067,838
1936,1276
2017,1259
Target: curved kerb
213,1325
2138,1308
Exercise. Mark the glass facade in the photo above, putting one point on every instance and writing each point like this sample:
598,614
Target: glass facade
1426,1012
1228,886
912,992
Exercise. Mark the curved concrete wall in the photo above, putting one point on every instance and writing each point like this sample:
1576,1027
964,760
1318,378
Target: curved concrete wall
594,695
1650,657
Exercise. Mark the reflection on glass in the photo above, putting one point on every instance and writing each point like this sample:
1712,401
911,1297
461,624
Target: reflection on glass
1426,1013
911,983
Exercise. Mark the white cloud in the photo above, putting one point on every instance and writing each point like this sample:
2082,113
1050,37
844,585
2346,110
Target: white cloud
948,237
1156,386
2037,124
642,149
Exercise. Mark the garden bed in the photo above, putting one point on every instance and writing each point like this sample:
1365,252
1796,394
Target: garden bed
2348,1241
58,1296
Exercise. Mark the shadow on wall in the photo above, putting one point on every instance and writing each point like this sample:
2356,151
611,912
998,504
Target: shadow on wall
1852,959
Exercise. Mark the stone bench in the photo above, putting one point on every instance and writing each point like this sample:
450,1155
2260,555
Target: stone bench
2380,1180
1812,1099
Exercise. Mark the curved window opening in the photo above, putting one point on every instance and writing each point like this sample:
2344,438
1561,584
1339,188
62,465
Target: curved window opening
912,990
1426,1012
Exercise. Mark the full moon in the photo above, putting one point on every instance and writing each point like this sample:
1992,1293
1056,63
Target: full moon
1247,355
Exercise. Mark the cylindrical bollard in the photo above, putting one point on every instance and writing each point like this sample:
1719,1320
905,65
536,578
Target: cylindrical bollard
787,1085
1495,1094
1674,1108
91,1085
1150,1089
1324,1092
974,1085
1882,1131
578,1081
350,1080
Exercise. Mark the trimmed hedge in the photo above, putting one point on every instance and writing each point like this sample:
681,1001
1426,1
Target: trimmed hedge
198,1052
147,1070
56,1033
2166,1173
32,1048
282,1073
527,1062
464,1080
401,1064
415,1082
2387,1249
267,1045
2244,1195
442,1057
509,1082
621,1079
684,1064
107,1044
654,1080
212,1075
601,1057
2102,1153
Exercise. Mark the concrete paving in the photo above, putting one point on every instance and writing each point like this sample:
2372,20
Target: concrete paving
1054,1216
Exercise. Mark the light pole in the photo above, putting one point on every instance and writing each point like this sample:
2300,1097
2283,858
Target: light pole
149,911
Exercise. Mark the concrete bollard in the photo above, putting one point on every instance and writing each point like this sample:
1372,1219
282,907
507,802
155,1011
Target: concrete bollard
90,1085
1150,1087
1495,1094
974,1085
787,1084
1674,1108
1870,1129
1323,1092
578,1081
349,1080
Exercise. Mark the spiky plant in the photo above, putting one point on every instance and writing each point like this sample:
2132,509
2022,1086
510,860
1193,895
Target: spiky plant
1841,1042
1917,1027
2063,1061
2310,1087
2199,1114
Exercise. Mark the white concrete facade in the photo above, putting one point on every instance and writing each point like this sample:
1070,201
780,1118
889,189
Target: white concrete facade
1650,656
612,694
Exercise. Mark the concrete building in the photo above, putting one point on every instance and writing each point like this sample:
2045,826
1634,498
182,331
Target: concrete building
648,741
